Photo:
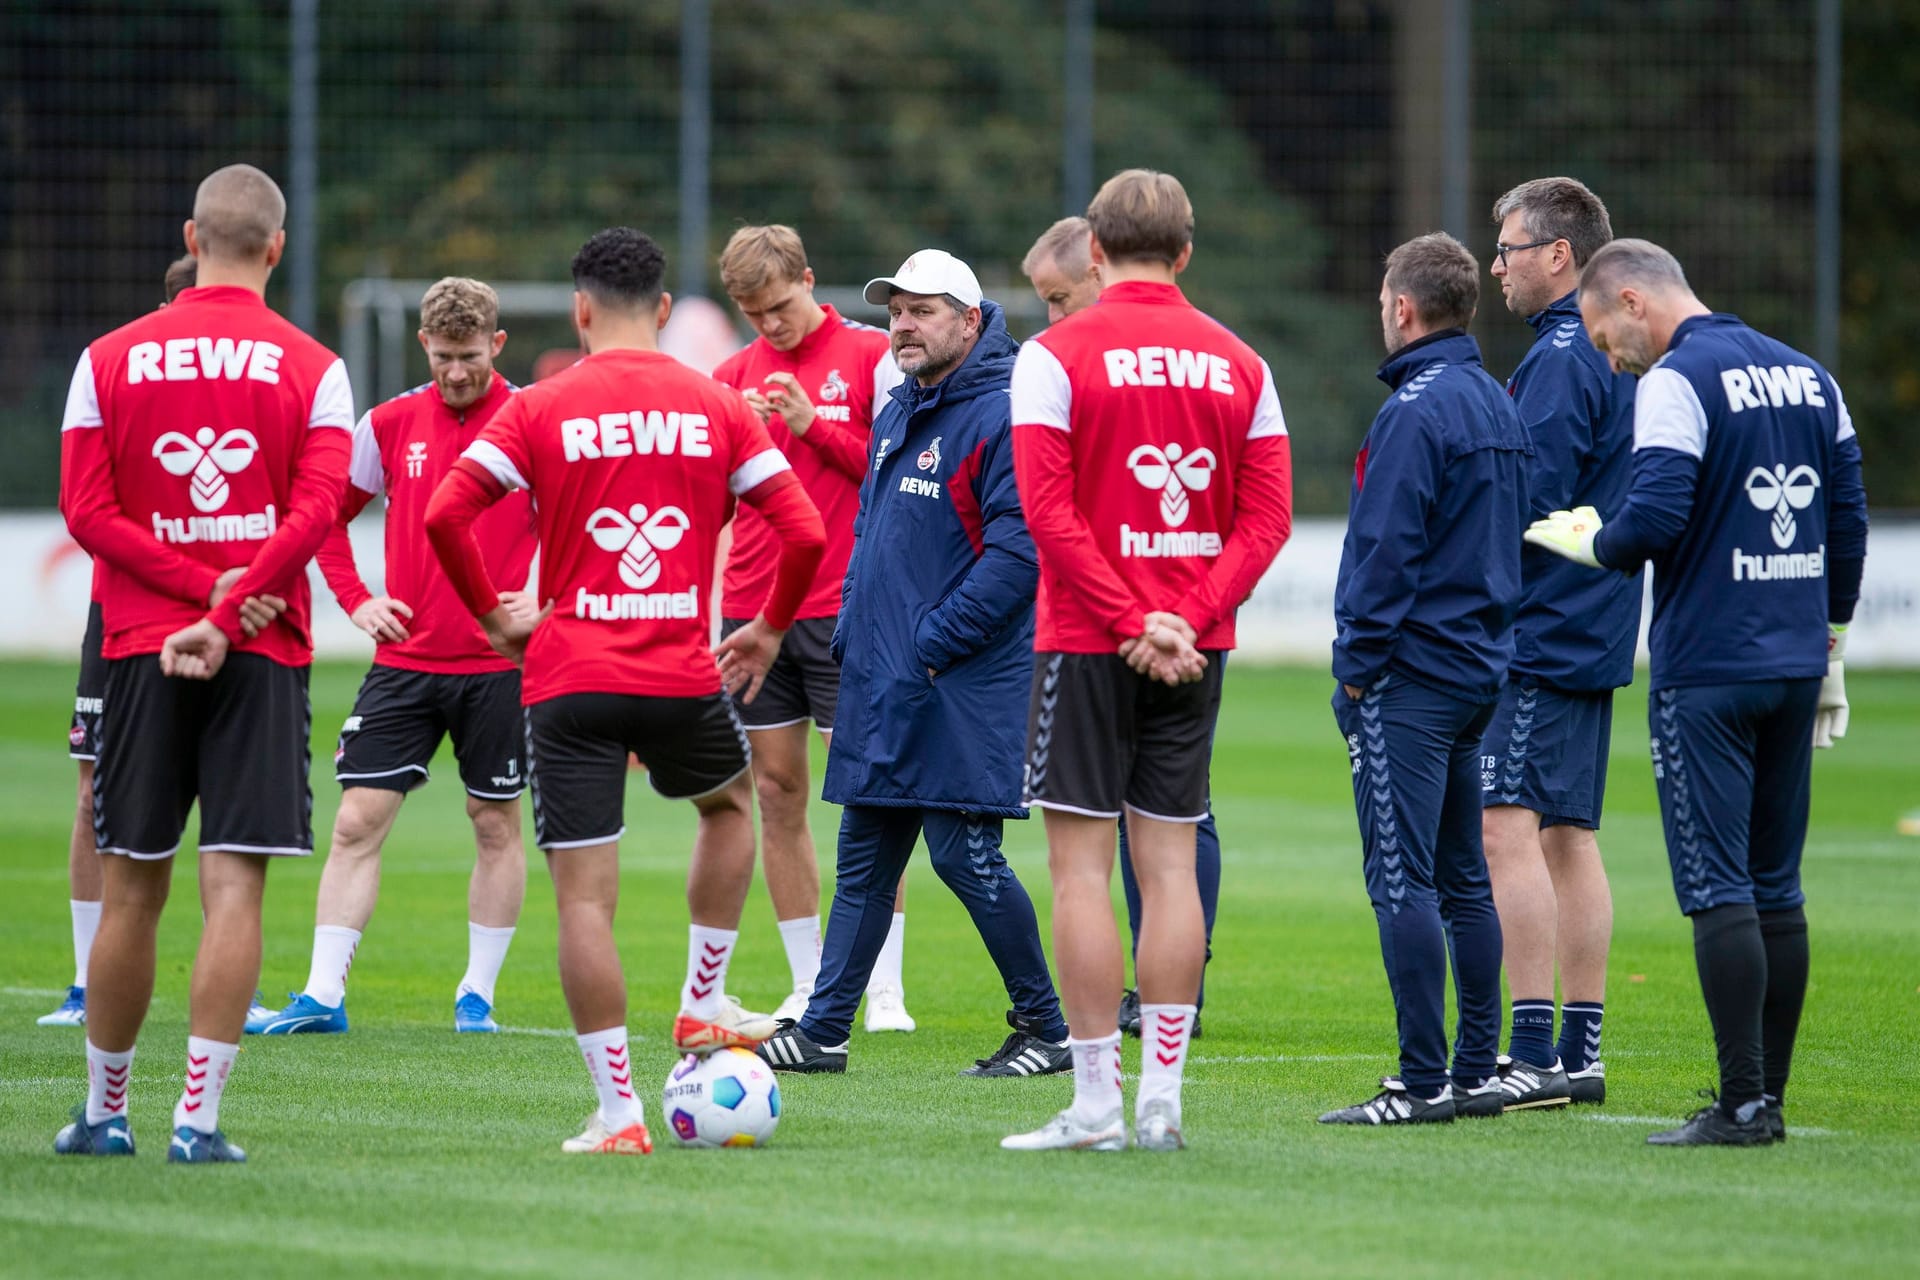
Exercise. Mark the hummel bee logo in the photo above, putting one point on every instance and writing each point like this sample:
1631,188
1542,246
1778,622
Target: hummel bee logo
1172,471
1783,492
637,536
416,458
208,460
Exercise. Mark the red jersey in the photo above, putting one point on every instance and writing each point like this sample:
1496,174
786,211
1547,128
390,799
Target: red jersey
1152,462
845,368
633,461
401,449
206,435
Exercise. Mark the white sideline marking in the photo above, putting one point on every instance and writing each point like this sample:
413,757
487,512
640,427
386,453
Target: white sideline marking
1212,1059
37,993
1793,1131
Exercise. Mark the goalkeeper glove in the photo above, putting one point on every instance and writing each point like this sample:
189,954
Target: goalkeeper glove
1569,534
1830,721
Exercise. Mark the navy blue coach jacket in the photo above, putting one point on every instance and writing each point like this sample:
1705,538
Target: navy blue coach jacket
1430,573
942,578
1576,629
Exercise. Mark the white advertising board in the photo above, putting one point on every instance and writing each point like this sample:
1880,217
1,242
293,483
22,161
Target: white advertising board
44,580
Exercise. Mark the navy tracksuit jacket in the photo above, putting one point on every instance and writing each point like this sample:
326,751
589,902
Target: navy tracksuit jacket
1429,583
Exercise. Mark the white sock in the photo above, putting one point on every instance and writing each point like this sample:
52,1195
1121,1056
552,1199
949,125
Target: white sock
708,951
333,948
612,1072
208,1064
107,1083
1165,1032
86,923
486,952
1096,1079
802,939
886,968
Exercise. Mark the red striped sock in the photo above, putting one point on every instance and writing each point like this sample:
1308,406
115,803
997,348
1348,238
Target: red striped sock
208,1064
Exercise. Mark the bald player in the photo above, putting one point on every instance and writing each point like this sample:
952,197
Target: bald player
203,455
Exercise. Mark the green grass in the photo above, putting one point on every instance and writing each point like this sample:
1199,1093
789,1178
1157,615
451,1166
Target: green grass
403,1150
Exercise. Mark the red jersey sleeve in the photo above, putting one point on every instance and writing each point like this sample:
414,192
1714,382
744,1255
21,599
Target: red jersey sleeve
365,482
468,489
1044,470
760,475
91,504
1262,519
840,445
319,482
783,500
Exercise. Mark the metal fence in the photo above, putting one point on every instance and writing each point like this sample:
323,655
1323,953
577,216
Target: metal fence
418,139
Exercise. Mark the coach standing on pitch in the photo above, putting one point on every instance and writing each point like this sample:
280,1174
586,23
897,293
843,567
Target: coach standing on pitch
935,641
816,380
1748,499
1429,581
204,453
1153,462
1544,759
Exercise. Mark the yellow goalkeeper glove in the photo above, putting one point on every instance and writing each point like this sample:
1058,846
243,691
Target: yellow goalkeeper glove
1569,534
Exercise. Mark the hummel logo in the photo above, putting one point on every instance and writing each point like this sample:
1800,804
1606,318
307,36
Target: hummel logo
210,461
416,457
637,536
1784,492
1172,471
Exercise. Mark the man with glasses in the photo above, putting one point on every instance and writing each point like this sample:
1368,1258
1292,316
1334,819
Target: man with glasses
1543,762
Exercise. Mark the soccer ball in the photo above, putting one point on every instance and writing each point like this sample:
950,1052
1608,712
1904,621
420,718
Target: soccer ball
725,1099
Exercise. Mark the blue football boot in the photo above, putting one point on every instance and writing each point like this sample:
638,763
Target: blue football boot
303,1016
471,1012
71,1013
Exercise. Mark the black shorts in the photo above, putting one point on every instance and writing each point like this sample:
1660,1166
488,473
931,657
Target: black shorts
240,742
83,735
1101,738
577,749
804,682
400,717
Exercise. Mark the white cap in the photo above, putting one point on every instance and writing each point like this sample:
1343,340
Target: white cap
930,271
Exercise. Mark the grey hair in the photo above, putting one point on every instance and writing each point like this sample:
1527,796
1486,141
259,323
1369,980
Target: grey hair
1067,242
1637,263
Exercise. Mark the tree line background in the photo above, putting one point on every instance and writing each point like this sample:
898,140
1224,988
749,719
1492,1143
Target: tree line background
490,138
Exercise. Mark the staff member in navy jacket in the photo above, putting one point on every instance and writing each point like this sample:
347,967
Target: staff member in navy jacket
1544,761
1748,499
935,643
1429,581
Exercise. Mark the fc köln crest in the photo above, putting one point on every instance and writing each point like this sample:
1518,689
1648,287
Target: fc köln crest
929,459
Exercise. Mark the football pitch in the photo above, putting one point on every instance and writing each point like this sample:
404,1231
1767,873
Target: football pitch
400,1149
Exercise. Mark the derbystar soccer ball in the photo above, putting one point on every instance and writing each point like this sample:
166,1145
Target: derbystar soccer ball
726,1099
